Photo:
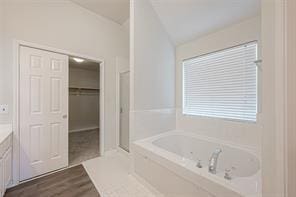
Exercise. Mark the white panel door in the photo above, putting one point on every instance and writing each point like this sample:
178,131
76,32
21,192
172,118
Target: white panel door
43,112
124,111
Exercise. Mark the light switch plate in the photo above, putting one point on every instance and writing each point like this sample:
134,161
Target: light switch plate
3,109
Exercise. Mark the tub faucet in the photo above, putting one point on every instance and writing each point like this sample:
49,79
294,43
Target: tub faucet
214,160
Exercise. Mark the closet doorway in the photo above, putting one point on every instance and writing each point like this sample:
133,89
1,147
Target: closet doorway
84,110
124,110
41,112
122,104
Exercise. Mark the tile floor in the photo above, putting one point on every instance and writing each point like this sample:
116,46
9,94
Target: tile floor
110,175
83,145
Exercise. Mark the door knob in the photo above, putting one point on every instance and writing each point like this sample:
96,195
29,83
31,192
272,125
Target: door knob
65,116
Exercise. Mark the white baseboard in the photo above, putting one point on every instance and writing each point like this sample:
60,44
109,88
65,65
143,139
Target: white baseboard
117,150
124,152
110,152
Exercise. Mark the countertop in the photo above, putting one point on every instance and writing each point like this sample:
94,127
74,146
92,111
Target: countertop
5,131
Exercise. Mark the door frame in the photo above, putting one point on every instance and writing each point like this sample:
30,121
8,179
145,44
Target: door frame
285,95
122,66
16,99
276,142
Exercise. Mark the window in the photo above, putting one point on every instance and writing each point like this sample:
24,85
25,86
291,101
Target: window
222,84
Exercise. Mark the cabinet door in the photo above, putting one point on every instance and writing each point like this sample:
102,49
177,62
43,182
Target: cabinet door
2,188
7,166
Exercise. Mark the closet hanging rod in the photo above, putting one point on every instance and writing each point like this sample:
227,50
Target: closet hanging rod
78,88
88,94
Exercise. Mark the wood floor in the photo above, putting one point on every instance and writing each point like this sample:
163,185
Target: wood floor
72,182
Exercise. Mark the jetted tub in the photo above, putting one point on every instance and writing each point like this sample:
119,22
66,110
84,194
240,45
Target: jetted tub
168,162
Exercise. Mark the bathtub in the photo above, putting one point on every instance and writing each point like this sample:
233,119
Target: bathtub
169,163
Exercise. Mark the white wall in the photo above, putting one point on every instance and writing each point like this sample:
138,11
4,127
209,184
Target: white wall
126,26
154,61
152,73
84,78
64,25
238,132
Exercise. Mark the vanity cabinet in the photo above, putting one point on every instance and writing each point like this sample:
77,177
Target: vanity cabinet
2,188
5,164
7,167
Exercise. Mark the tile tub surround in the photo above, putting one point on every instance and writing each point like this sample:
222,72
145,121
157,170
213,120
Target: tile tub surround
112,178
83,145
173,156
72,182
146,123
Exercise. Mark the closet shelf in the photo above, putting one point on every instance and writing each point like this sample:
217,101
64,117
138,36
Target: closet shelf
77,91
83,88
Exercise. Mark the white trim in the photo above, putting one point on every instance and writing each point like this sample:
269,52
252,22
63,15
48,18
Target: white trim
16,77
281,97
123,152
132,71
288,9
274,154
110,152
120,68
102,109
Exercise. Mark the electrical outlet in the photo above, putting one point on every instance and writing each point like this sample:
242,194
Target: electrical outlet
3,109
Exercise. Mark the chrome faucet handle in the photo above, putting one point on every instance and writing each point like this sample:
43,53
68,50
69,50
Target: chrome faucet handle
199,165
228,171
218,150
227,175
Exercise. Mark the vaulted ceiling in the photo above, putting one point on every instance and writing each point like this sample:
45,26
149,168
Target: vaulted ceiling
116,10
185,20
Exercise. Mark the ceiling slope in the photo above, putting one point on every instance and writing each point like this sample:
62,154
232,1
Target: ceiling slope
185,20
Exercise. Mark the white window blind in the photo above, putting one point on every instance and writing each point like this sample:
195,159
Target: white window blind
222,84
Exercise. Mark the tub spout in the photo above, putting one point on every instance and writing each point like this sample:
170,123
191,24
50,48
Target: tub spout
214,160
